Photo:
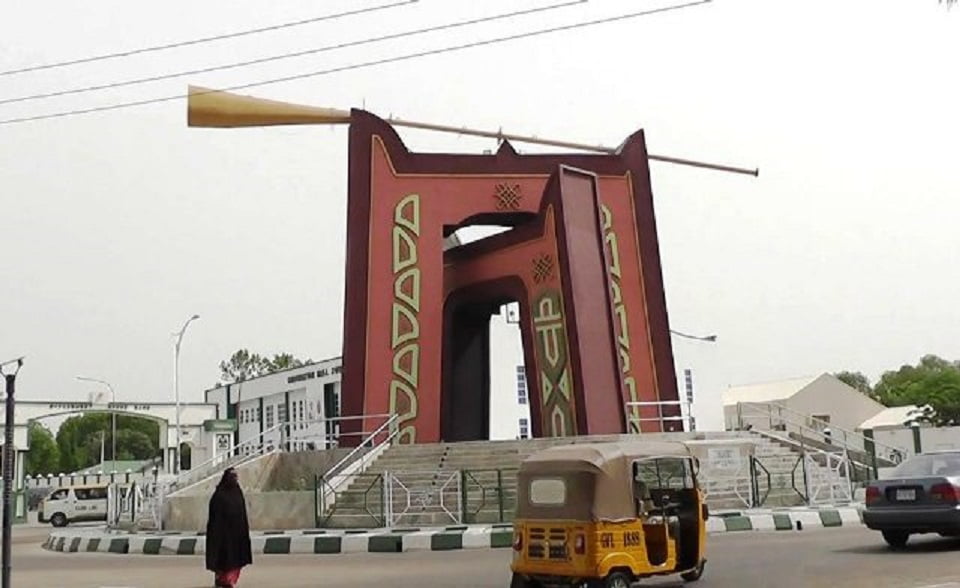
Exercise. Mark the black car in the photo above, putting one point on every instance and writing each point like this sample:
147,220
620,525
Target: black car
922,495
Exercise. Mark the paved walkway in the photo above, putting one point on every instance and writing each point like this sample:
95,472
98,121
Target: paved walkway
406,540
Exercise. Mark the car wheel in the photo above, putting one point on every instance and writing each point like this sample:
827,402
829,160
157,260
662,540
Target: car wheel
58,520
896,539
694,574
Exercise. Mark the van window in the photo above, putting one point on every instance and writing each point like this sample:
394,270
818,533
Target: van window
90,493
548,492
59,494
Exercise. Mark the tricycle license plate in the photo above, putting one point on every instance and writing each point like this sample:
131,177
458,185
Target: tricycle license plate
905,494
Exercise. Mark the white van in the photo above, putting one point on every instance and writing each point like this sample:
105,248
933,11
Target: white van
75,504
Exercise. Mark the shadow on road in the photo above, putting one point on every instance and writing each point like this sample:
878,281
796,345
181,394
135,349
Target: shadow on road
917,544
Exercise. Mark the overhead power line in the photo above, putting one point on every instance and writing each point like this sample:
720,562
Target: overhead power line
344,45
366,64
187,43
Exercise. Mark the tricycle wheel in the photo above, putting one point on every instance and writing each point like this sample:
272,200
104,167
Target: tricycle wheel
520,581
617,580
694,574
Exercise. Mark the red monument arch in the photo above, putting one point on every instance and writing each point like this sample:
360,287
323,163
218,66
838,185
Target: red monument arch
581,259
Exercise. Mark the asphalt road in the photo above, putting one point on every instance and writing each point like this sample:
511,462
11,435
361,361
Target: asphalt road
817,558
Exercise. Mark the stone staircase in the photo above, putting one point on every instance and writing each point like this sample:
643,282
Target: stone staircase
475,482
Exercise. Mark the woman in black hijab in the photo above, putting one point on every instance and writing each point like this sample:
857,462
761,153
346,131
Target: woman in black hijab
228,532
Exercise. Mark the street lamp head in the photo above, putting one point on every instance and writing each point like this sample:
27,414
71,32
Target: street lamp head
711,338
195,317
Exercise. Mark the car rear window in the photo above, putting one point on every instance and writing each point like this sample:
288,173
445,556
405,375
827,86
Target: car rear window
947,464
548,492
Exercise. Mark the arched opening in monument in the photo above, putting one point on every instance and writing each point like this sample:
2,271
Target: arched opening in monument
483,351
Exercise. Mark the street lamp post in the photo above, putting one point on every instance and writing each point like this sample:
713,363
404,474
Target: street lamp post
113,415
708,338
176,389
9,459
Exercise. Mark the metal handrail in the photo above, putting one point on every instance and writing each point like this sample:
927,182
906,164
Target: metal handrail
324,485
260,443
226,456
896,454
349,457
635,416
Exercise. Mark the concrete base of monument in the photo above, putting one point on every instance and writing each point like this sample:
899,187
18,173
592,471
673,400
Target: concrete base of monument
402,540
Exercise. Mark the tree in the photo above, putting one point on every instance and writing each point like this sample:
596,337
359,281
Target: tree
244,365
934,383
135,445
856,380
79,440
284,361
43,456
241,366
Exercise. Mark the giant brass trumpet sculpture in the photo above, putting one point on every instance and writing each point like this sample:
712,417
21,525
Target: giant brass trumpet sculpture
215,108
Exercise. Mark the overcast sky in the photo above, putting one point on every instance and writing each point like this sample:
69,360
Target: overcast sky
115,227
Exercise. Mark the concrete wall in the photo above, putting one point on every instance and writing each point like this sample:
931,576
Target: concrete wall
252,475
296,471
278,488
265,511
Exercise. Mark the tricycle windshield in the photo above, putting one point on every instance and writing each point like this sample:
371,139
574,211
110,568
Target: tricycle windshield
675,473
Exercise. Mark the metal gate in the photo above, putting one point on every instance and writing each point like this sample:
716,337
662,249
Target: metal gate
422,497
828,478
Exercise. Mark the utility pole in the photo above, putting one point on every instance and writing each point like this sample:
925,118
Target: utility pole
9,459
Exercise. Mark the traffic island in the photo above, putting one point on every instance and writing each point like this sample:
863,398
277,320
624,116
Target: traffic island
405,540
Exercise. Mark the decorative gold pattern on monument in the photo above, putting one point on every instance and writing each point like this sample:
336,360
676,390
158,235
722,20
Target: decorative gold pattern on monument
508,196
620,311
543,267
405,323
556,388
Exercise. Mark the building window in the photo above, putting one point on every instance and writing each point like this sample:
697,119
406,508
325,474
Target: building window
281,413
521,385
269,415
524,429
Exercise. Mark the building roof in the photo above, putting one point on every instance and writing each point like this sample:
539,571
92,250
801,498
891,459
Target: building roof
307,365
767,391
895,416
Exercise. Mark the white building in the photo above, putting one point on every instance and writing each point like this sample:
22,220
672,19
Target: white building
814,402
307,397
509,397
